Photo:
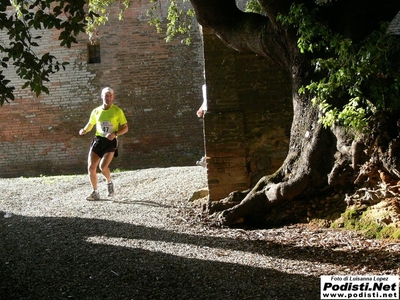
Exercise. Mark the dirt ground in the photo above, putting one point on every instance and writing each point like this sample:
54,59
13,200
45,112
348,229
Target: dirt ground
150,242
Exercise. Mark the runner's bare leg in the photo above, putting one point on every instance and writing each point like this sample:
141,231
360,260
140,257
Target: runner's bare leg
93,162
104,163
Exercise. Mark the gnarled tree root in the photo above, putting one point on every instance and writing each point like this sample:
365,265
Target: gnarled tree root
256,205
252,208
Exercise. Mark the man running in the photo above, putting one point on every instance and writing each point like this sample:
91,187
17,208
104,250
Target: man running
110,122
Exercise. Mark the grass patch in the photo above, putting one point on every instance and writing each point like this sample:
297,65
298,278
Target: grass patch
359,218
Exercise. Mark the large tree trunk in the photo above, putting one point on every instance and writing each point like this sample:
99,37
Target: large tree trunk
311,158
319,160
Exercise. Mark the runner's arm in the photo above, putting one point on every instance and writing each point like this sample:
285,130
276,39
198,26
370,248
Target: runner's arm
122,129
86,129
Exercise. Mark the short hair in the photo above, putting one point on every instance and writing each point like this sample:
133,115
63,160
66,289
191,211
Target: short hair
105,90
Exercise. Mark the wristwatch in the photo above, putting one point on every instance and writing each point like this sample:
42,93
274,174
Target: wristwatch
116,133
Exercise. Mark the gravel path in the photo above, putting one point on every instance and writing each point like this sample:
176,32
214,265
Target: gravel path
150,242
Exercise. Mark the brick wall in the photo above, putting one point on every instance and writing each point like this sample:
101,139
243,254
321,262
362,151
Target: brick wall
158,85
247,124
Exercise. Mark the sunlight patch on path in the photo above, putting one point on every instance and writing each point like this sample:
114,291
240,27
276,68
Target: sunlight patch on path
190,251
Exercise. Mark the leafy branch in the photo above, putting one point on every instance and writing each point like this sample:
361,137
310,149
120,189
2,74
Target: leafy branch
67,16
366,74
179,20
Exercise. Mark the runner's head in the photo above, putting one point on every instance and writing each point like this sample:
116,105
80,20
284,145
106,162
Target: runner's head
107,95
106,90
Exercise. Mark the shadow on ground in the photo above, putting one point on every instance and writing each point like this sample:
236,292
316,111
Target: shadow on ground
51,258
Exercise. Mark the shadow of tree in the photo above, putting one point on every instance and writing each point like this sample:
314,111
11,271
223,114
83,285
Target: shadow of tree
52,258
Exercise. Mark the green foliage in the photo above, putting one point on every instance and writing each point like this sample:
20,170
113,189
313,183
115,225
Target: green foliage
22,28
179,20
70,17
100,9
365,76
254,6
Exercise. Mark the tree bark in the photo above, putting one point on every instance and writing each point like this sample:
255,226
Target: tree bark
318,159
244,32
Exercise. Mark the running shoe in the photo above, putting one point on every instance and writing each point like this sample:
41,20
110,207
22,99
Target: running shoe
202,162
94,196
110,187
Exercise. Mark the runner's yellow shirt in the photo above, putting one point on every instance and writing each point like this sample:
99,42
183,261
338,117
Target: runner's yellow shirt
107,121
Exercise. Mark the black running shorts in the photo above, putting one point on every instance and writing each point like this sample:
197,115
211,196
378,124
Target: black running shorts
101,145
